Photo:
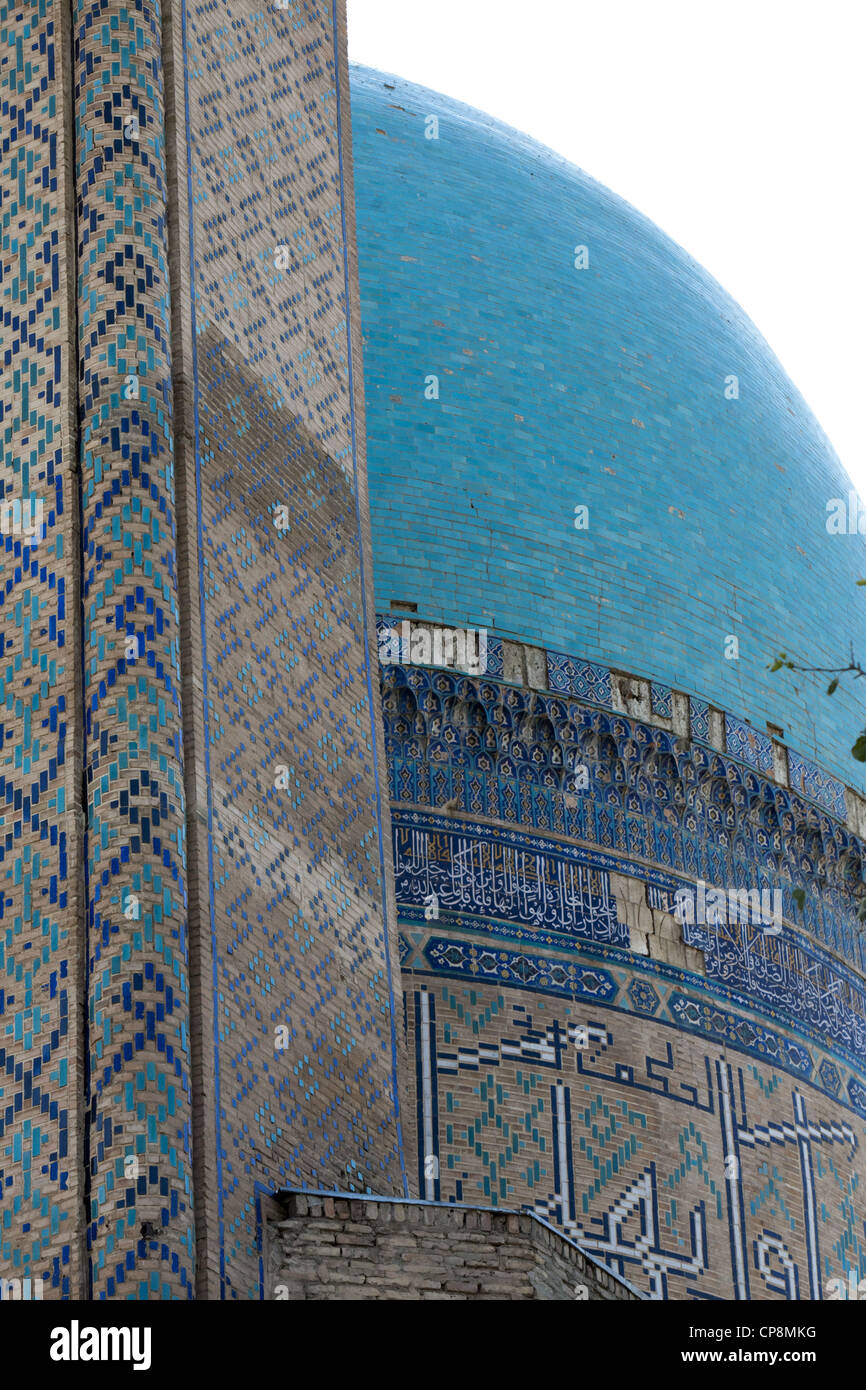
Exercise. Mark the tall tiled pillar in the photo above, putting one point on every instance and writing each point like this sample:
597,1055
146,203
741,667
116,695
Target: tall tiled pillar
41,822
195,901
139,1116
295,1000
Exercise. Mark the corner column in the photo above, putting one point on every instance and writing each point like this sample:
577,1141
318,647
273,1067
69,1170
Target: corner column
141,1239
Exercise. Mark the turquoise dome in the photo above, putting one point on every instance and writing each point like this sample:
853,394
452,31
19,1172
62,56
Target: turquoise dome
606,387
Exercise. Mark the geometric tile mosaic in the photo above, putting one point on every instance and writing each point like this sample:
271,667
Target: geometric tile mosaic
586,679
526,1098
700,719
661,697
140,1208
748,744
42,993
806,777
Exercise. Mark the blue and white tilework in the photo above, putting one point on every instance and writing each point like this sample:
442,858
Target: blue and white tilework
571,676
806,777
42,997
661,699
748,744
699,715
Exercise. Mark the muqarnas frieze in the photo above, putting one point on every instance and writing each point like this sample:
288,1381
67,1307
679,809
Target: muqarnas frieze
477,746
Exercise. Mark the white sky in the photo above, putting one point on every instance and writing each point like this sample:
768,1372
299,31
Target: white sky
738,128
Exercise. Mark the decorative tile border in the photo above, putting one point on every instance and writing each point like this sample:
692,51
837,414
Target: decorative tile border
588,681
810,780
523,969
661,697
748,744
692,1006
699,717
482,878
732,1030
464,873
591,681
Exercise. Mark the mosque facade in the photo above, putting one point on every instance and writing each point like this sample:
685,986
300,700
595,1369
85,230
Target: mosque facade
397,532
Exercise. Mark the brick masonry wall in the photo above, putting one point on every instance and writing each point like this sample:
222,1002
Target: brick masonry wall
289,918
334,1248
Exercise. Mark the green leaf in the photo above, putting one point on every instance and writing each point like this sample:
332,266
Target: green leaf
861,581
859,749
832,686
799,896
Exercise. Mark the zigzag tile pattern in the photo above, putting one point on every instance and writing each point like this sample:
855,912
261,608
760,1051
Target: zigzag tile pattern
139,1138
41,824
